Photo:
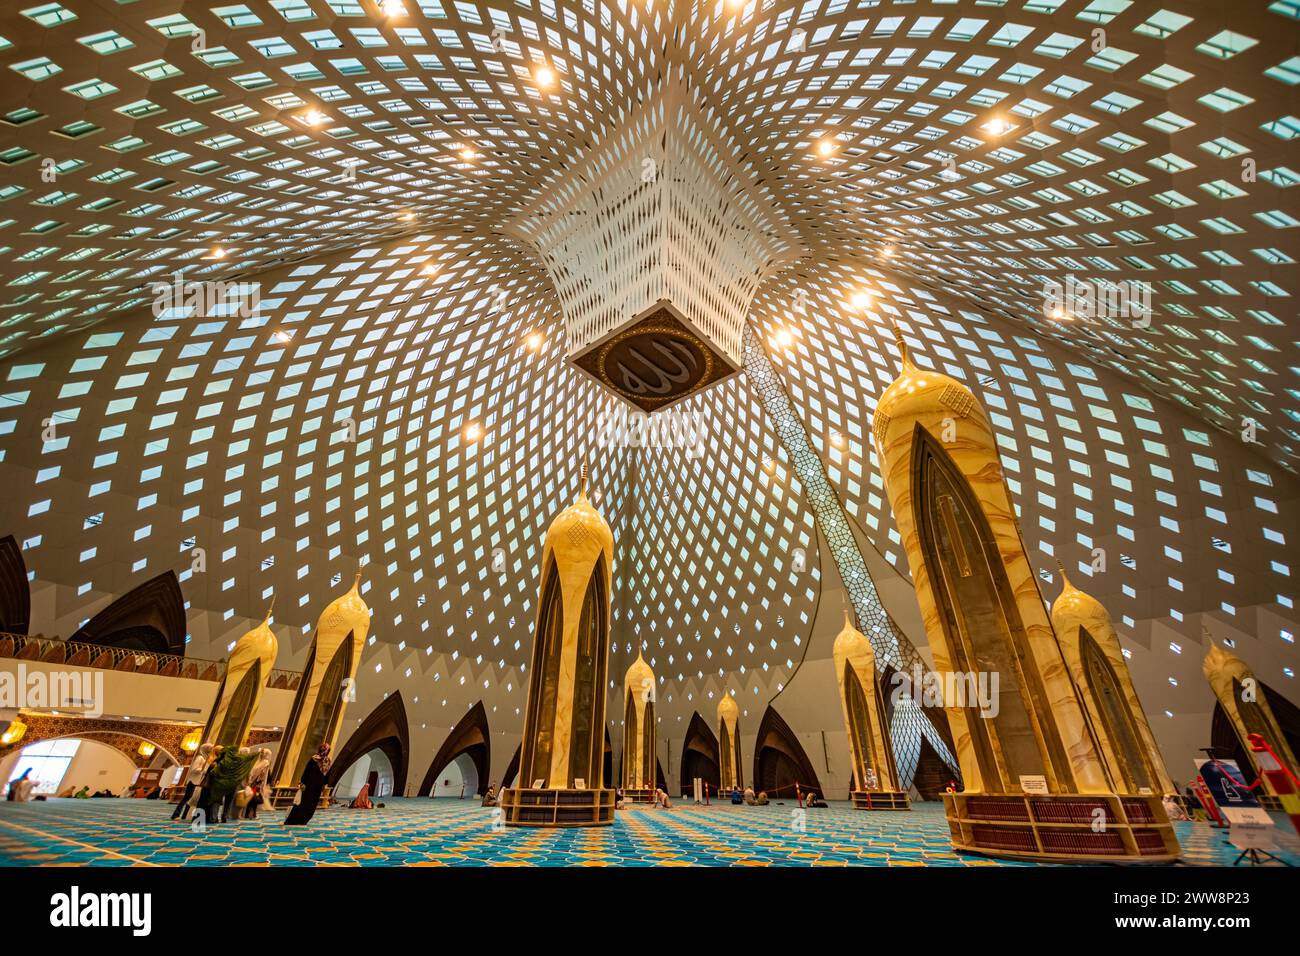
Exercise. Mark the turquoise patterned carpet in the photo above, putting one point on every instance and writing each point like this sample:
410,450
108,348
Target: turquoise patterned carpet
423,832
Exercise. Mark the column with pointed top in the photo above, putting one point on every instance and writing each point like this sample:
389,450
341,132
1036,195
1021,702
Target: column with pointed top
1245,701
874,774
562,752
1096,661
326,686
247,672
731,774
639,778
1028,755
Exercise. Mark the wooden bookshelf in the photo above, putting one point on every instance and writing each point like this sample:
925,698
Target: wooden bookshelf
526,807
880,800
1060,828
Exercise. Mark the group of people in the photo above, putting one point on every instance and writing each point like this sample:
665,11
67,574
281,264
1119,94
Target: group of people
225,783
748,797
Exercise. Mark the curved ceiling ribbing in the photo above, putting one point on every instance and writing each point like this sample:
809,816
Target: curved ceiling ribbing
175,431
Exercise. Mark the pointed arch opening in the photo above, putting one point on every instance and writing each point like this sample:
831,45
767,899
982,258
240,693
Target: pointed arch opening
700,756
470,738
779,759
511,777
385,730
150,617
982,623
15,591
1115,717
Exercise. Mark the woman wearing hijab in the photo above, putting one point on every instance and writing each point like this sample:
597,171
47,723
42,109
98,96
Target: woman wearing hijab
310,786
193,778
362,800
227,776
257,784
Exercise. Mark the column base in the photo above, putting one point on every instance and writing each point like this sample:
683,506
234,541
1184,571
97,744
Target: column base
880,800
526,807
1061,828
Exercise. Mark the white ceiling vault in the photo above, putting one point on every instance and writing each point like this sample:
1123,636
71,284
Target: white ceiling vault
401,396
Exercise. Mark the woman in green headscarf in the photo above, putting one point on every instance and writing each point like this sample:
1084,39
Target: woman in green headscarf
226,775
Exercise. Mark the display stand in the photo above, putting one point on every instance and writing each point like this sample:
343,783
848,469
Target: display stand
1062,828
528,807
880,800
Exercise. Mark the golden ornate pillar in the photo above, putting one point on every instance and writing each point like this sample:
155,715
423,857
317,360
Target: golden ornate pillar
1100,673
729,743
1027,754
563,747
639,758
1242,697
874,774
326,685
241,688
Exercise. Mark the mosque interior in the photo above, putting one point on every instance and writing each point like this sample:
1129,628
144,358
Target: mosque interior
649,433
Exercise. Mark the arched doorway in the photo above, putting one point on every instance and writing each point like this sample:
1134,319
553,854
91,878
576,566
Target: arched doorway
384,730
373,767
468,741
700,756
98,762
780,761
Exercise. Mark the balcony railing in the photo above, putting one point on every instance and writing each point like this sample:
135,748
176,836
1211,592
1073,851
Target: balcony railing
50,650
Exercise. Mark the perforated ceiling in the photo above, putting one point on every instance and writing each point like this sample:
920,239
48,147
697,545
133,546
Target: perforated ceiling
359,160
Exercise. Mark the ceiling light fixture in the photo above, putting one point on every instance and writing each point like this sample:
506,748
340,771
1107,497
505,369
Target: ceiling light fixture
997,126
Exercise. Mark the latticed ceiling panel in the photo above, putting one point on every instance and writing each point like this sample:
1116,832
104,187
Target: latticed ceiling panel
370,413
950,157
989,145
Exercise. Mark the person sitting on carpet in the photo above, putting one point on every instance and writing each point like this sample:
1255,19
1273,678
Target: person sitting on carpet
490,798
749,797
362,799
20,790
737,797
661,800
82,794
812,800
761,799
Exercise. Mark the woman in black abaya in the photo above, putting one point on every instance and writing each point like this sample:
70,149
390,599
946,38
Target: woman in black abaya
312,782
